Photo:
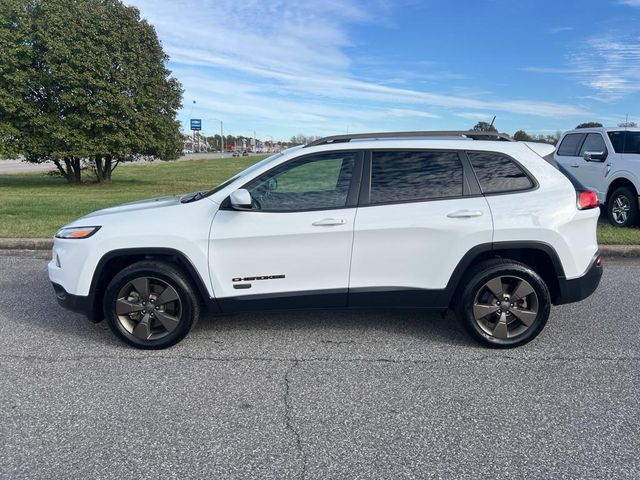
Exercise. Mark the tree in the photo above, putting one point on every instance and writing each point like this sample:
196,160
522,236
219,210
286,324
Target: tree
97,94
522,136
589,125
301,139
484,127
628,125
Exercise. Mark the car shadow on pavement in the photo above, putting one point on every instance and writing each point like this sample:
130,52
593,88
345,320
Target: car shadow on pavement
340,326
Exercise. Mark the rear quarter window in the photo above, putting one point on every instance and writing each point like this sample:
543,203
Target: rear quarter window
498,173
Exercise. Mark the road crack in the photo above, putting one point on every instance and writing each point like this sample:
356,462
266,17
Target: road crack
288,419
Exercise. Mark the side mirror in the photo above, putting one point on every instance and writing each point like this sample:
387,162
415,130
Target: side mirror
241,199
595,156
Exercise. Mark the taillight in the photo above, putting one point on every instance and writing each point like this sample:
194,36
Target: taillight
587,200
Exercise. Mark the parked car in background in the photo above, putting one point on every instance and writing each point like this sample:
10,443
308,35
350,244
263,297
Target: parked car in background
462,220
235,153
608,161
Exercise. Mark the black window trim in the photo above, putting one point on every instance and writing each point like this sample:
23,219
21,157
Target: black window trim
534,182
352,194
470,189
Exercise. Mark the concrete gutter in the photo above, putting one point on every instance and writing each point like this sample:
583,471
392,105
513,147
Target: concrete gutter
611,251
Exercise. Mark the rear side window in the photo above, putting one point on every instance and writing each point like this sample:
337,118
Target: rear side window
593,143
570,144
625,142
406,176
498,173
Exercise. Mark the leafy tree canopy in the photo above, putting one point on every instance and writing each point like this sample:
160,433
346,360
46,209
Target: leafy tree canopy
484,127
589,125
522,136
84,80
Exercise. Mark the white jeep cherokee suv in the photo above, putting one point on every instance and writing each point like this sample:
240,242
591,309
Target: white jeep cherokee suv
418,219
606,160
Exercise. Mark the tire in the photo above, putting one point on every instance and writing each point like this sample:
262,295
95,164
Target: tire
151,305
622,208
523,308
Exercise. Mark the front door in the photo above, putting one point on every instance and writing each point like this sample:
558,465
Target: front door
293,248
592,173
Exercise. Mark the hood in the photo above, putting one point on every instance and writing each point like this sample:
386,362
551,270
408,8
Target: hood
153,203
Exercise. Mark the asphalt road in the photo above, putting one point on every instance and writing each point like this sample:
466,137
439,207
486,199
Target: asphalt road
322,395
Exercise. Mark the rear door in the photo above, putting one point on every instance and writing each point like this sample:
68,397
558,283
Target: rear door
419,214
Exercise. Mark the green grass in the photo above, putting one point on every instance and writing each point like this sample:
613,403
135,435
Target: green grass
35,205
610,235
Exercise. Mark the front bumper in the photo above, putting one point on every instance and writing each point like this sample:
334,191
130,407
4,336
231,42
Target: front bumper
75,303
580,288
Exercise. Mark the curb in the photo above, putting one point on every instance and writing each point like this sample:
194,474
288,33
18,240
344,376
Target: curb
610,251
26,243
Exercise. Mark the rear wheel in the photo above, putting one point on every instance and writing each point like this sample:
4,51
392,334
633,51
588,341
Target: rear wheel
503,303
622,207
150,305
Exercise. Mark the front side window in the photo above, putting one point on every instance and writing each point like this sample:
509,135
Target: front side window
625,142
593,143
570,144
498,173
413,176
316,182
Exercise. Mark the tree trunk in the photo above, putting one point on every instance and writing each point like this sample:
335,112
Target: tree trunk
103,169
77,173
107,169
71,171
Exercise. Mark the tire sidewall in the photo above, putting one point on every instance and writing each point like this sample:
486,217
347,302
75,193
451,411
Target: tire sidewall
480,279
166,274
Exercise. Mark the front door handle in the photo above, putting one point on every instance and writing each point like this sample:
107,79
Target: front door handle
465,214
575,165
329,222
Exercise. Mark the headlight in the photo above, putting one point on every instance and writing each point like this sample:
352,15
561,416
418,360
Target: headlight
76,232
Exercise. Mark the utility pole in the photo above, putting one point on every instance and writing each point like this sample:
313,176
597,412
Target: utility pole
255,145
221,138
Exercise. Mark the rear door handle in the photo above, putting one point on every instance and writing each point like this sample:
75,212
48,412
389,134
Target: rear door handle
465,214
329,222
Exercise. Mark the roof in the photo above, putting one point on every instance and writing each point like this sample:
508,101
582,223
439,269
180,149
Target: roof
603,129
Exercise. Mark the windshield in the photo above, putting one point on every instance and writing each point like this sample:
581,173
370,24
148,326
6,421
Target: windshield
241,174
625,142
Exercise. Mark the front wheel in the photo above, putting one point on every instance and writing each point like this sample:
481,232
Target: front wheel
622,208
150,305
503,303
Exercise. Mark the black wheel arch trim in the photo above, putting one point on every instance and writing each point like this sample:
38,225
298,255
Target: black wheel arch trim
98,283
472,255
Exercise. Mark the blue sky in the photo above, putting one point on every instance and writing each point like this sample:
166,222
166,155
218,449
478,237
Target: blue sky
282,67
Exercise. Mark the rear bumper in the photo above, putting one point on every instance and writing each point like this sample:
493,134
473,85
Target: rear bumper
580,288
75,303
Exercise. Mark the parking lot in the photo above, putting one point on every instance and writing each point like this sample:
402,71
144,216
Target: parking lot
362,394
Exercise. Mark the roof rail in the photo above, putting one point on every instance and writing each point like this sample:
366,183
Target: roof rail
472,134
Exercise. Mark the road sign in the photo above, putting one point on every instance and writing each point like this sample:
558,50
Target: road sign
196,124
